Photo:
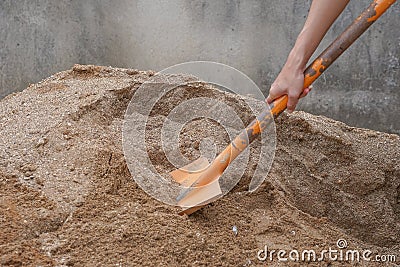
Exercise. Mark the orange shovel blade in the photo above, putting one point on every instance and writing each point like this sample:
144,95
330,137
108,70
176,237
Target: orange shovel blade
195,197
188,174
198,197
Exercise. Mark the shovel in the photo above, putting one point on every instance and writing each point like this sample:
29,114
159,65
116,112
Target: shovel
201,178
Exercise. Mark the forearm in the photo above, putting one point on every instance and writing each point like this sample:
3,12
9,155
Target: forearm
290,80
321,16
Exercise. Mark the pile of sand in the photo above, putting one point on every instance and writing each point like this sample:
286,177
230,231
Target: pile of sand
68,199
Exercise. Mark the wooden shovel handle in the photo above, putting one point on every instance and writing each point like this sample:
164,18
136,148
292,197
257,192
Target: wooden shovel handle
341,43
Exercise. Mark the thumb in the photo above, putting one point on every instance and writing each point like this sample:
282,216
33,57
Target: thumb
270,98
274,93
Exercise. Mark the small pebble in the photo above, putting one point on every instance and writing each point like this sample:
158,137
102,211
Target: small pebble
41,142
235,230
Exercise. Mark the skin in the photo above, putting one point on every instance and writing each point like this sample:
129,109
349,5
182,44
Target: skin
291,78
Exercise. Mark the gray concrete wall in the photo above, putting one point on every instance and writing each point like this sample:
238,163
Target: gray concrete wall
41,37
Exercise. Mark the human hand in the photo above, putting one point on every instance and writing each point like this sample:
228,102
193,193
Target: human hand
289,82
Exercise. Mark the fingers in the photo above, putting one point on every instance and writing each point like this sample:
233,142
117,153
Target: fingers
293,94
293,99
306,91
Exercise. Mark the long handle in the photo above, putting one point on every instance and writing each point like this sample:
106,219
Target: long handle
313,71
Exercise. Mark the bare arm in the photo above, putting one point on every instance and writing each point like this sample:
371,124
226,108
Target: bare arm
291,78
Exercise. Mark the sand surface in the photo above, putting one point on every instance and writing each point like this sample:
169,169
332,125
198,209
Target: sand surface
67,197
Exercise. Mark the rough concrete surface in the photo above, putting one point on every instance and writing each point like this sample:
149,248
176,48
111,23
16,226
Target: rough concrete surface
68,199
361,89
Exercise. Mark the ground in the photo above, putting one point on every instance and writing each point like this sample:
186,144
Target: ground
67,197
